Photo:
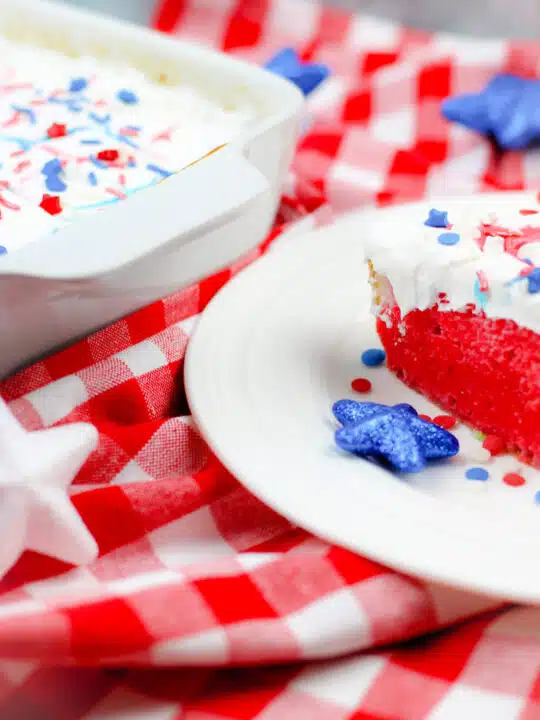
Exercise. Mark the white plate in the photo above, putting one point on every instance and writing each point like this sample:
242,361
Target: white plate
271,354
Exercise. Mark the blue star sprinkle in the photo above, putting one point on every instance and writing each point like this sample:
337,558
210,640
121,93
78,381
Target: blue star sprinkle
507,110
305,75
394,434
437,219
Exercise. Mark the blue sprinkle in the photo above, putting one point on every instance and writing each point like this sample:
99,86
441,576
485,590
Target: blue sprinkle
91,142
3,250
23,143
55,184
78,84
480,296
52,167
528,261
30,114
127,96
100,120
477,473
437,219
137,128
98,163
533,281
126,140
131,163
448,238
158,170
92,179
373,357
537,497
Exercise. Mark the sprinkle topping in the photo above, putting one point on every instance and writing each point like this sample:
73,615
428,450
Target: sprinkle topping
51,204
477,473
533,281
57,130
78,84
361,385
127,96
108,155
448,238
437,219
373,357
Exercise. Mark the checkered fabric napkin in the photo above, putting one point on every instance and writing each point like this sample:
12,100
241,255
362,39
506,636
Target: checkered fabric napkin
260,619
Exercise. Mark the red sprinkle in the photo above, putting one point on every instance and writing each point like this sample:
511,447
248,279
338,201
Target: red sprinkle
57,130
514,479
51,204
494,445
424,417
528,212
361,385
445,421
108,155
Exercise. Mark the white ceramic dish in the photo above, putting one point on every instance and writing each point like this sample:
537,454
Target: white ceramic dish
271,354
153,243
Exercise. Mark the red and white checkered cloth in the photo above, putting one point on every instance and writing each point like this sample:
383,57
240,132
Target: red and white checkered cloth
196,574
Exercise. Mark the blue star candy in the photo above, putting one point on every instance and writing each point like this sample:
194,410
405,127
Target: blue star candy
395,434
506,109
305,75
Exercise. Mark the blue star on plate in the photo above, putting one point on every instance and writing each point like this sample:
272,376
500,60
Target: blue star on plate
306,76
507,110
392,433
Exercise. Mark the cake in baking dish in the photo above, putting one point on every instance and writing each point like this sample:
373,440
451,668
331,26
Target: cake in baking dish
77,134
456,293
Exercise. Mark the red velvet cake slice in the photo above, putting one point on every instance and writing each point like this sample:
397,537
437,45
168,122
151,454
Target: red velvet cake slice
456,292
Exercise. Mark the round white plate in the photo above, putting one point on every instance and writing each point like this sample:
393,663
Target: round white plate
271,354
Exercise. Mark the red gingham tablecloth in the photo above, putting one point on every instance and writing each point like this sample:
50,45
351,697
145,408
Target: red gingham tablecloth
204,604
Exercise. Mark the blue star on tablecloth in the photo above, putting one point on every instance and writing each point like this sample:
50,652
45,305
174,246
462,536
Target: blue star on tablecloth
394,433
508,109
305,75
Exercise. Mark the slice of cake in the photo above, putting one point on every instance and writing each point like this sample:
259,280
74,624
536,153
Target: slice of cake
456,293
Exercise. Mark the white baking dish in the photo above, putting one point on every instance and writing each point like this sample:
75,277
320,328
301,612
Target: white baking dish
106,265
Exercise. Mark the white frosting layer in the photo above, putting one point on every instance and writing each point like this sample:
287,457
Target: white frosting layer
490,275
71,109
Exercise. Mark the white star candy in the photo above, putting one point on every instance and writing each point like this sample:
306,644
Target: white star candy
36,469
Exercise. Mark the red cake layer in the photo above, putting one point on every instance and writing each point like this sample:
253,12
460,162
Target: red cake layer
485,372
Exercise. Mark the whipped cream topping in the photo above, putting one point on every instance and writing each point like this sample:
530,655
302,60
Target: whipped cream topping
77,134
487,256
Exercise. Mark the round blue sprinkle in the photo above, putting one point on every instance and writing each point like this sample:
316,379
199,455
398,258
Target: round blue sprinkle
78,84
477,473
373,357
3,250
537,497
448,238
127,96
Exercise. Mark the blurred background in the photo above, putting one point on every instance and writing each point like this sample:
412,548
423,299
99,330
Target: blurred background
505,18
